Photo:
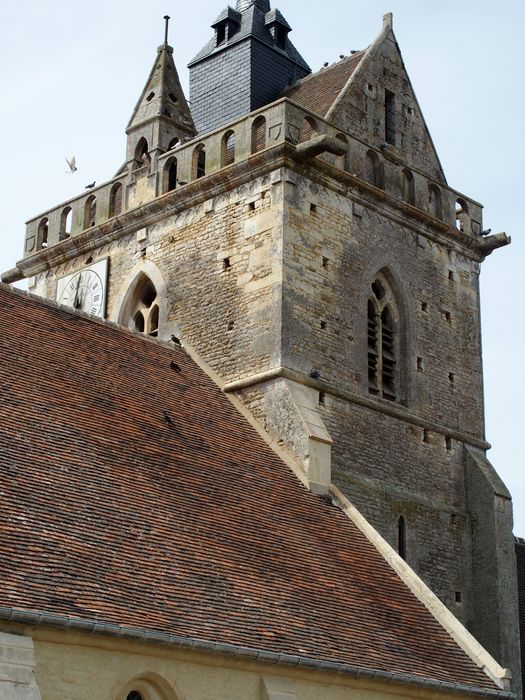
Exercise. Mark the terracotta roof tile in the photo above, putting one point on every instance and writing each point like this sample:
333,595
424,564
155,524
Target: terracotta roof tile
193,528
318,91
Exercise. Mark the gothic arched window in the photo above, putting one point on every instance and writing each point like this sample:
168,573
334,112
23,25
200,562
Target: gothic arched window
143,310
383,342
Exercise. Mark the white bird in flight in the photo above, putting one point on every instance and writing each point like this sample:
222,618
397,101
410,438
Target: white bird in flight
72,164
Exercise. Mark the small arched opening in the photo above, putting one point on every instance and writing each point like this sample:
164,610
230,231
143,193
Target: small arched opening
402,537
142,156
374,171
169,176
173,143
43,233
66,220
309,129
90,211
228,148
199,161
408,187
462,216
258,134
115,200
343,162
435,201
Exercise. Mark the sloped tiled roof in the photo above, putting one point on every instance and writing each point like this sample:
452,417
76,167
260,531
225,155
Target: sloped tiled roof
520,556
192,527
318,91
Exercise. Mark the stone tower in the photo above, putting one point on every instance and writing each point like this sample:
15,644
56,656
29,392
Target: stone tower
313,253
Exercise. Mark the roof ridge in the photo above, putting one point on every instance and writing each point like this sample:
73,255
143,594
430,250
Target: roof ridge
323,69
468,644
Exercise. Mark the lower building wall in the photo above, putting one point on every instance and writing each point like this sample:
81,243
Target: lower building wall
83,667
17,668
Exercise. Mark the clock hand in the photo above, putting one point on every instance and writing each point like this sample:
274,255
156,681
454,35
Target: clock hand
76,304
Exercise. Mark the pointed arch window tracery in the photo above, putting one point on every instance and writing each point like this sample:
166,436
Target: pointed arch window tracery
383,341
143,309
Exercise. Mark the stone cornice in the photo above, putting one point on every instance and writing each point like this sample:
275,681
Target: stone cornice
198,191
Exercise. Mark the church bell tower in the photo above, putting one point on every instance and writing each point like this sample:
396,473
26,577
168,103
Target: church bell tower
297,230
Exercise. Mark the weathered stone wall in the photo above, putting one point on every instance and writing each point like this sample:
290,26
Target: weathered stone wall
220,263
334,247
362,110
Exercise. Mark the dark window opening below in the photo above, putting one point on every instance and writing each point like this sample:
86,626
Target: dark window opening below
402,538
390,117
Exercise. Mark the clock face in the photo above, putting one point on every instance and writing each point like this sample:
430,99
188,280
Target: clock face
85,290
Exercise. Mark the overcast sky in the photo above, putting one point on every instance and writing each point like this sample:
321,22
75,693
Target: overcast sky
71,75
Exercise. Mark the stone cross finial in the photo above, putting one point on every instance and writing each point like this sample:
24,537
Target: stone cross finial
243,5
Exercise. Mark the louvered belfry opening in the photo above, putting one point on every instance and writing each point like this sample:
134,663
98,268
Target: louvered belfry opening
388,355
382,342
373,384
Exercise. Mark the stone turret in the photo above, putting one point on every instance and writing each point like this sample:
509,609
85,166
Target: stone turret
161,117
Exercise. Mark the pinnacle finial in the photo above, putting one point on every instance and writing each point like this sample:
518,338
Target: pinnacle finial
167,21
243,5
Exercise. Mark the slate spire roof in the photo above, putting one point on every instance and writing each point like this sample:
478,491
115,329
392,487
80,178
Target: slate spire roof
100,497
252,25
